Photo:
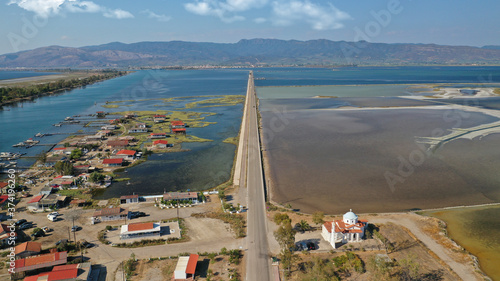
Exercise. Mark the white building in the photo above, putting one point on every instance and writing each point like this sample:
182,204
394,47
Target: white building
140,230
186,267
349,229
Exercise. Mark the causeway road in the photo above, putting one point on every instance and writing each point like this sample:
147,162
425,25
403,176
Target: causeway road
258,260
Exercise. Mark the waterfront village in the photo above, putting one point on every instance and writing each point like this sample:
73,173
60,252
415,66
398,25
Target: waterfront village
62,233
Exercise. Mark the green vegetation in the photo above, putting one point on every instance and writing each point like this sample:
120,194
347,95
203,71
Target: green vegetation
318,269
497,91
349,261
285,235
10,94
319,217
76,193
76,154
63,168
232,140
280,218
217,101
96,177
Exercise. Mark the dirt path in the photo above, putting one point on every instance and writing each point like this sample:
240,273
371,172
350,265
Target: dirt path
408,221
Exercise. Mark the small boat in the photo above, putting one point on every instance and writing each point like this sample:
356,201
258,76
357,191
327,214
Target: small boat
21,144
31,141
58,125
39,135
13,163
68,119
128,183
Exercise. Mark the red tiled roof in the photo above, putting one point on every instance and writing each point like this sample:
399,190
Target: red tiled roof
35,199
66,182
158,134
59,148
65,267
177,123
3,198
140,226
191,266
58,177
112,161
160,116
178,129
126,152
3,184
41,259
160,142
328,226
28,246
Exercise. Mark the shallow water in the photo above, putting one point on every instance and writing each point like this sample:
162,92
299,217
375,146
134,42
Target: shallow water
477,229
342,158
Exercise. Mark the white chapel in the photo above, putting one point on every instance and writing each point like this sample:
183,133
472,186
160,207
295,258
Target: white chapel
349,229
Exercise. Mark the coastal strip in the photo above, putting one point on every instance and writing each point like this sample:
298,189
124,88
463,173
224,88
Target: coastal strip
242,140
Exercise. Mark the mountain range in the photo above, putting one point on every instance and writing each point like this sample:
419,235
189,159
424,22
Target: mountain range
251,52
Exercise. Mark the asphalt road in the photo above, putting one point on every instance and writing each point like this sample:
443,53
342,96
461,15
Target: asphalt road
258,261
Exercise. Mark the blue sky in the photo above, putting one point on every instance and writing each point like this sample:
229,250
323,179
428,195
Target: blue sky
29,24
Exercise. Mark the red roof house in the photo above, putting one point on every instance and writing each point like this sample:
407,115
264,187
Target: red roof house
160,143
113,162
40,261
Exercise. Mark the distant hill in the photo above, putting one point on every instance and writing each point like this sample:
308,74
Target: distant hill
249,52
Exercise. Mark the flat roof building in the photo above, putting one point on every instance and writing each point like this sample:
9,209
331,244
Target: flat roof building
140,230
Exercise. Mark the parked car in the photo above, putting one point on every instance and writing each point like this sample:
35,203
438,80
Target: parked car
62,241
52,218
134,215
311,246
46,229
53,214
21,221
75,228
26,225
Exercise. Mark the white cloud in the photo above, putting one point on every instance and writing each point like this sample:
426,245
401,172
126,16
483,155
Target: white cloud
118,14
43,8
47,8
155,16
225,10
260,20
319,17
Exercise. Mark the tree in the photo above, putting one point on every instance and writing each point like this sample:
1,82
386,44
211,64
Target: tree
280,218
303,226
63,168
75,154
42,157
408,269
318,217
96,177
285,235
222,195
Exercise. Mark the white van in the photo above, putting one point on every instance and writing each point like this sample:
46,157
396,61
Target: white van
52,217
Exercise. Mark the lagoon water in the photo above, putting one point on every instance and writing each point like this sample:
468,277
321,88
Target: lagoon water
341,153
206,165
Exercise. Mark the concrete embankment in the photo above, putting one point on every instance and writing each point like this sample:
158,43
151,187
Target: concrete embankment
240,157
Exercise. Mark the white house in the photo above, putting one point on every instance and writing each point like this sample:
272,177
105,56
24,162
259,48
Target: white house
140,230
186,267
349,229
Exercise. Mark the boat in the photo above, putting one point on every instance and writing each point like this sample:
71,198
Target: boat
21,144
6,154
39,135
68,119
128,183
30,141
58,125
107,183
13,163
